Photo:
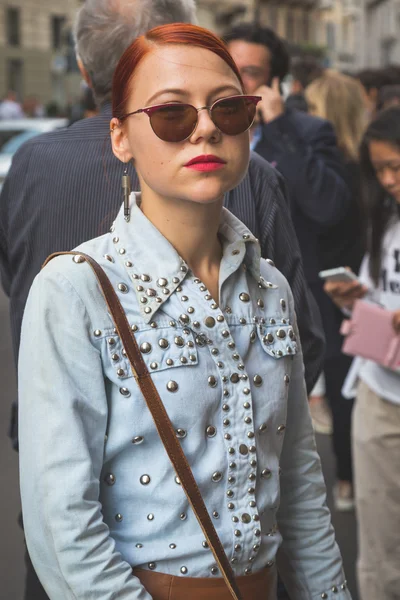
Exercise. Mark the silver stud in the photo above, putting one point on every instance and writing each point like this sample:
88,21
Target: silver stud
231,506
226,393
248,420
226,422
227,436
214,306
184,319
125,392
120,372
202,288
232,465
183,360
208,297
153,365
134,328
114,357
109,479
246,518
257,532
162,282
229,493
225,407
183,298
165,291
196,324
220,364
97,333
286,379
150,517
138,439
78,259
211,431
252,449
143,300
214,571
262,428
335,589
109,258
268,339
235,356
260,303
209,322
343,586
266,474
183,516
190,310
152,566
172,546
220,318
250,435
177,481
231,450
216,477
283,304
205,544
184,570
169,362
253,337
237,533
118,517
237,547
242,321
145,348
234,378
111,341
212,382
163,343
252,476
214,351
128,264
172,386
246,405
122,251
179,341
324,595
252,504
234,560
192,357
246,391
244,297
253,463
281,428
257,379
151,293
215,514
225,333
248,571
181,433
281,334
139,288
145,479
139,545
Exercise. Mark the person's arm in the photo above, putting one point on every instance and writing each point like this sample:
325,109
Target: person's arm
309,559
311,162
62,424
278,242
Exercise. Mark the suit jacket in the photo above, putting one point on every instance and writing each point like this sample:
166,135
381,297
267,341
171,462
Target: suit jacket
64,188
303,148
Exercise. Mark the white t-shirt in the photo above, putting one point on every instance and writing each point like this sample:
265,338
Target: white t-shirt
384,382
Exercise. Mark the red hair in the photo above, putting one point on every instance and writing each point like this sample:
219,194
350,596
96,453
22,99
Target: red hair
175,33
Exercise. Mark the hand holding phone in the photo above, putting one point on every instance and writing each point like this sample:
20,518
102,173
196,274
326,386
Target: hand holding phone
343,287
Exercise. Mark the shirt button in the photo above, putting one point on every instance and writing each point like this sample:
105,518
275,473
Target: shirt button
243,449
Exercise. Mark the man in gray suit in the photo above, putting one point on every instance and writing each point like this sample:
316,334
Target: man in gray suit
64,187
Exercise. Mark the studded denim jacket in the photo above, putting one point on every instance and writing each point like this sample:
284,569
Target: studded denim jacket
99,494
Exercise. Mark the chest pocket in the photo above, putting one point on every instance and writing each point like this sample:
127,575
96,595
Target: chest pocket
278,340
162,348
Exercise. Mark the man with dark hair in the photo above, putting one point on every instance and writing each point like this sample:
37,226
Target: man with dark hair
65,187
303,148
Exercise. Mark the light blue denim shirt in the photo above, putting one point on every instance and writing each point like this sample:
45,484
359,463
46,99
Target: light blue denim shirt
99,494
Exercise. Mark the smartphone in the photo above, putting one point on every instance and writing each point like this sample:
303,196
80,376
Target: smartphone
338,274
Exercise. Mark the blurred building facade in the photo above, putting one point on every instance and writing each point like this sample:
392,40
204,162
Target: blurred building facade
36,50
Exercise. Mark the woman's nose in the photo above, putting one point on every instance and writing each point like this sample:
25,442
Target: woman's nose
206,127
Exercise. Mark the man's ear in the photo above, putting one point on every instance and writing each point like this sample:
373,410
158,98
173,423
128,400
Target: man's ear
119,141
83,71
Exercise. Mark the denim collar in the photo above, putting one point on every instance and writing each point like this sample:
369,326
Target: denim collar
156,268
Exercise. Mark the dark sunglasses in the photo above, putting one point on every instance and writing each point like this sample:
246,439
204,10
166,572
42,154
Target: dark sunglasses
176,122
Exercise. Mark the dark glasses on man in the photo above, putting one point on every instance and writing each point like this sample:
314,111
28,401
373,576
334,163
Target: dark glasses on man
176,122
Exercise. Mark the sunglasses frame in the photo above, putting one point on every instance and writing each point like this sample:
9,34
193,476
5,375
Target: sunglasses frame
149,110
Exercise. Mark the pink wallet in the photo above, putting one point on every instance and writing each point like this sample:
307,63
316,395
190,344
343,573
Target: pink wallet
370,334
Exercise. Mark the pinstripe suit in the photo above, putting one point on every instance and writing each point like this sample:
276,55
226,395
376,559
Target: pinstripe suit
64,188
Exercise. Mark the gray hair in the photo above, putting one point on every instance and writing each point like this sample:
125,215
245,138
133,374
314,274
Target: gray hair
105,28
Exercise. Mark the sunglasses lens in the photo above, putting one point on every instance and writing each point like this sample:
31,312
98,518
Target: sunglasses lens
233,116
173,122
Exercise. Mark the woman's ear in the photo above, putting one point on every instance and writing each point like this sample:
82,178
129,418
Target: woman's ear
119,141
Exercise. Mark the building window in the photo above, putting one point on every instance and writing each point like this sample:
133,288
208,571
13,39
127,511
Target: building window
306,27
13,26
15,76
290,27
57,25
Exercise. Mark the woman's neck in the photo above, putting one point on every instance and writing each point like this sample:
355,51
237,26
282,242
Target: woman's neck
191,227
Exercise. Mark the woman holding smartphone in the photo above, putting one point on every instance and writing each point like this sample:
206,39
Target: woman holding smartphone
105,514
376,417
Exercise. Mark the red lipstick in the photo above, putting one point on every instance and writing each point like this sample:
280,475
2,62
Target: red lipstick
206,162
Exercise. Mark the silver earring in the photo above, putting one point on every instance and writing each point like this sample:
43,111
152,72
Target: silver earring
126,186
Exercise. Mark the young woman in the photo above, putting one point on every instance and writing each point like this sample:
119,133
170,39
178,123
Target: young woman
339,98
376,417
217,330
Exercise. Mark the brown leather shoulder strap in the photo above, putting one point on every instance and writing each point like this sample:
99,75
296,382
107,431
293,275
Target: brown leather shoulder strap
161,419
